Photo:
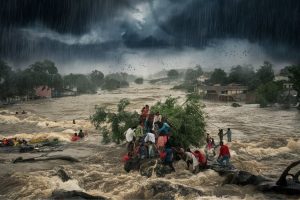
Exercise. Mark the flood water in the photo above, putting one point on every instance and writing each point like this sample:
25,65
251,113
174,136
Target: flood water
265,141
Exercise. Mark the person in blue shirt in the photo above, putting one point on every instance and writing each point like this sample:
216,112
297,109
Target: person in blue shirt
164,128
169,156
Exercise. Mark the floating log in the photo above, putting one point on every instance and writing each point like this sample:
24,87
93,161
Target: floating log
74,194
36,159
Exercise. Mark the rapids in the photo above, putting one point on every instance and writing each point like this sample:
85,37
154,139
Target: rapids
265,141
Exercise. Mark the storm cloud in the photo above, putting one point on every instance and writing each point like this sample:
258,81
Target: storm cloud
113,32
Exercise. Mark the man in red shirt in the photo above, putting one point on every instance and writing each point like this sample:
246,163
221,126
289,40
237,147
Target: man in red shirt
224,155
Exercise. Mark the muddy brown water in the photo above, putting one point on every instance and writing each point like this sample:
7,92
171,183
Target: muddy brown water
265,141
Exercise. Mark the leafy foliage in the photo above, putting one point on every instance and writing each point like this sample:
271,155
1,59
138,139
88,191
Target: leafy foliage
81,82
118,122
294,75
265,73
139,81
173,74
97,78
268,93
187,121
218,76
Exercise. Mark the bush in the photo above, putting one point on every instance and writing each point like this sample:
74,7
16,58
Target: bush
139,81
118,122
187,121
106,136
268,93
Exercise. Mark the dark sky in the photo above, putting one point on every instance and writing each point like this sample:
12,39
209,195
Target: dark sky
147,35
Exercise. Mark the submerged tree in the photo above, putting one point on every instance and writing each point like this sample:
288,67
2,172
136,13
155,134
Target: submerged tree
173,74
139,81
118,122
187,121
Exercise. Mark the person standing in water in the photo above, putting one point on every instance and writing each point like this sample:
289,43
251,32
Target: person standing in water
81,134
228,133
220,134
224,155
169,156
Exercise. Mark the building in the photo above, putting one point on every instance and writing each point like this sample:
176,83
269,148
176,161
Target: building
43,92
231,92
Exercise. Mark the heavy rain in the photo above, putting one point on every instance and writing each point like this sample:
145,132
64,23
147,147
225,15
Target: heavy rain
149,99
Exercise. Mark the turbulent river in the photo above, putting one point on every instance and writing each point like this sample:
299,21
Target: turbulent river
265,141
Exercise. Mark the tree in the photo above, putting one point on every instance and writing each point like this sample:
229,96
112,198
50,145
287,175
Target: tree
294,76
97,78
268,93
241,75
218,77
7,83
117,122
199,70
110,84
266,73
187,121
173,74
139,81
191,75
79,81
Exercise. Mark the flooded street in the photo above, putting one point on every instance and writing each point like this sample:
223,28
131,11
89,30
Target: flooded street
265,141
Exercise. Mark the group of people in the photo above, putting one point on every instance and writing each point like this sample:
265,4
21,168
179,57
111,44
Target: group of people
12,142
224,155
151,138
78,136
228,133
23,112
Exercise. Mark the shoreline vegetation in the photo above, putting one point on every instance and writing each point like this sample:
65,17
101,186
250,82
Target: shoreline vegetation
42,80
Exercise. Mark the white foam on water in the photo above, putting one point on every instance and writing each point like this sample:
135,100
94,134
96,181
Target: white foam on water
9,119
40,137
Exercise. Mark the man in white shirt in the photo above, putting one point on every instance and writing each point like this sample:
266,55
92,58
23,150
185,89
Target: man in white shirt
191,159
150,140
129,134
150,137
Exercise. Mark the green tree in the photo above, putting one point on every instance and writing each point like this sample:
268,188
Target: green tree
118,122
268,93
110,84
97,78
241,75
218,76
173,74
294,76
187,121
265,73
7,83
139,81
191,75
79,81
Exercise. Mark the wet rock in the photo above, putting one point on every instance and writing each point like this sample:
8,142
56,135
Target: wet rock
63,175
133,164
25,149
74,194
235,105
36,159
244,178
167,190
147,167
